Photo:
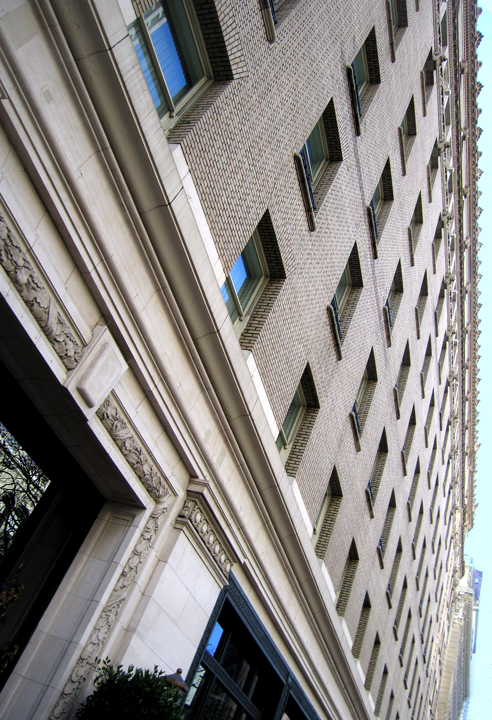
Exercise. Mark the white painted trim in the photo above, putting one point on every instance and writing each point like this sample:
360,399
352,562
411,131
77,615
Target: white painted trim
199,215
260,389
329,583
346,632
302,508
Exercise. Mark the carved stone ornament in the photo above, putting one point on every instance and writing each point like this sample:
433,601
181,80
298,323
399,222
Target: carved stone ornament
133,452
96,641
194,515
37,298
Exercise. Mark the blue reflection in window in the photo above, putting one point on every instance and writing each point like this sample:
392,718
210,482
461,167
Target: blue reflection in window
239,273
214,639
169,60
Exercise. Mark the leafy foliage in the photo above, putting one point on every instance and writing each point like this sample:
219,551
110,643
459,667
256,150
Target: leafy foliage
22,485
134,693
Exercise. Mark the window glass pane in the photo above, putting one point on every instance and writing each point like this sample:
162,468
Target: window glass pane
377,198
174,46
404,125
229,301
214,639
236,666
219,704
147,68
193,695
247,273
360,69
394,13
342,289
315,152
22,485
361,390
292,414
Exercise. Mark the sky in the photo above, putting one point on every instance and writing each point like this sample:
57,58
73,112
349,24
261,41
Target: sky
479,542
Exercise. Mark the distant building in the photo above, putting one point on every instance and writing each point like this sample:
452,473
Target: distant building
456,683
238,322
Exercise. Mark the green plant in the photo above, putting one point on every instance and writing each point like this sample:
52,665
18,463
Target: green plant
134,693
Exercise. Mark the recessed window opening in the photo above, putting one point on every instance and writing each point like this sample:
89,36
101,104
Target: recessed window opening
292,420
347,580
298,423
327,515
171,53
361,627
380,205
363,398
246,280
344,302
363,74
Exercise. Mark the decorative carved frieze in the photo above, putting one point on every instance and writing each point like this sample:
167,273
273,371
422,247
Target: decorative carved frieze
132,450
37,298
194,515
94,646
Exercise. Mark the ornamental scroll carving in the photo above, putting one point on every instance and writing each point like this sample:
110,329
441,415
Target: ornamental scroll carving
133,452
97,639
37,298
194,515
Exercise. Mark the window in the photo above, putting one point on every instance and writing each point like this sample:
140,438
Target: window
372,488
422,301
298,423
361,627
426,366
344,301
327,516
372,662
386,531
390,705
421,562
442,357
394,573
432,460
440,306
392,304
401,381
433,169
408,440
347,580
382,687
258,272
396,14
436,244
380,206
415,228
245,281
237,671
363,76
318,161
363,399
274,11
413,490
292,421
171,53
418,526
399,610
405,636
406,132
428,422
427,81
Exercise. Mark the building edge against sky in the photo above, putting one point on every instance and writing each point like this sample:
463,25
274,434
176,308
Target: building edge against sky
239,316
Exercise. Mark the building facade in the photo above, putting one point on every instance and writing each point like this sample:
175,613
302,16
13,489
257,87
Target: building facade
457,680
239,275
